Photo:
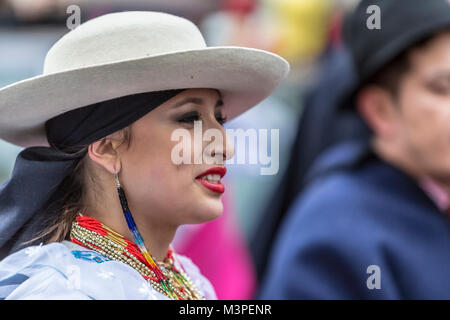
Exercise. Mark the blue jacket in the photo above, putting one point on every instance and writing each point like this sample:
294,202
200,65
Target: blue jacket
362,229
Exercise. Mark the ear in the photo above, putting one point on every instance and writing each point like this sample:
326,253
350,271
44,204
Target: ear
104,152
377,106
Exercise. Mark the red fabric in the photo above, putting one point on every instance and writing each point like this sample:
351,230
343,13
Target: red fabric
91,224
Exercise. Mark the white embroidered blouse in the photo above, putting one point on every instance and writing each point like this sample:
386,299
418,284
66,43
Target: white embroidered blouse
66,270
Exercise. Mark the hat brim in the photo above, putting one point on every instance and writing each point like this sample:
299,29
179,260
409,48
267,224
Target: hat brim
244,76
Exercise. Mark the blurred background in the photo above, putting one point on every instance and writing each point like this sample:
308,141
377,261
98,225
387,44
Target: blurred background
231,251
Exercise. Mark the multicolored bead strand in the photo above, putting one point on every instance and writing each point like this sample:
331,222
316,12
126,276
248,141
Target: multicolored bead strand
139,240
91,233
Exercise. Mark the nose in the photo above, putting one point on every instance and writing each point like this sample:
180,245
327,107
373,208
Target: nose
226,148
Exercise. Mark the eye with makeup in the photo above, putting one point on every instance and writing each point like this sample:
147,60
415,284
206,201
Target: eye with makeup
440,86
192,116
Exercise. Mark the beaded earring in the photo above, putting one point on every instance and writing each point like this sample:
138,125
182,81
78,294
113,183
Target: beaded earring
162,279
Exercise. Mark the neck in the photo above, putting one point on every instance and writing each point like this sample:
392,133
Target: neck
398,158
157,235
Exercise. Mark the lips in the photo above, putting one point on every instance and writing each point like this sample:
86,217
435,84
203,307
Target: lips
210,179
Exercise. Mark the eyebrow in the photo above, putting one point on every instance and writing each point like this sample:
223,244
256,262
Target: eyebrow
196,100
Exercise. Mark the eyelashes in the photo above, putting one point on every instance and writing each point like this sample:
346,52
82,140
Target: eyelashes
221,119
189,117
192,116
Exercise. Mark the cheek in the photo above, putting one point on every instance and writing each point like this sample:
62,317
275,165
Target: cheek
169,188
156,174
427,124
159,182
173,192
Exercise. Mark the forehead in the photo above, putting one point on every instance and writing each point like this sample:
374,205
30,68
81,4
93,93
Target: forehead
199,92
202,97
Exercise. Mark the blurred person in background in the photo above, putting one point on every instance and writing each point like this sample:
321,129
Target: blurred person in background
319,125
373,221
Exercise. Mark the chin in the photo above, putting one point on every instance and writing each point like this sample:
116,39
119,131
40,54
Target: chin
208,213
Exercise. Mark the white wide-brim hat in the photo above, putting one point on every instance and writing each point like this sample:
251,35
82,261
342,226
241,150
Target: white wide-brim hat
129,52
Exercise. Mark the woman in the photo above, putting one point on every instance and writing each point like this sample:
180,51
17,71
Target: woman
98,187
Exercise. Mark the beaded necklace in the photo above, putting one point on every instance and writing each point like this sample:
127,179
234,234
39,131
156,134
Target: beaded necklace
163,276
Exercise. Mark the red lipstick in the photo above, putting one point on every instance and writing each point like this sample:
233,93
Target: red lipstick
215,187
